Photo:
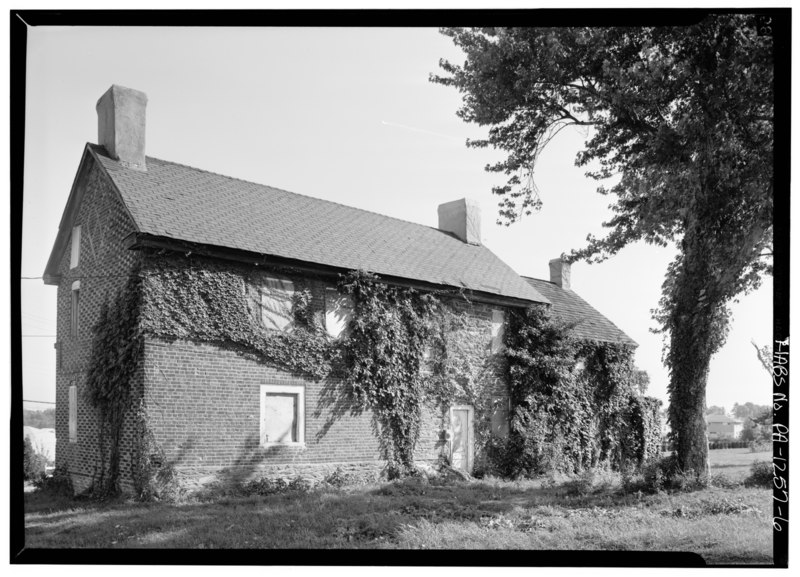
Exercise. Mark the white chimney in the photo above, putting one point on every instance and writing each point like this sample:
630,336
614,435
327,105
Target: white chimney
560,272
121,125
463,218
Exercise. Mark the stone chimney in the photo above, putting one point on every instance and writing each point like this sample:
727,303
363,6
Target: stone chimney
463,218
120,125
560,272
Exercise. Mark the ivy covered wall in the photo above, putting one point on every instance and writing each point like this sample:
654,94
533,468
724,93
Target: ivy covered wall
380,393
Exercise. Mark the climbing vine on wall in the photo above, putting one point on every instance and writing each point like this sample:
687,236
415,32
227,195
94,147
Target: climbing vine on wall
210,302
111,384
574,404
385,348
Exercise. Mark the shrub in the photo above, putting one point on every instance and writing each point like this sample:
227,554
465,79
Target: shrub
723,481
593,480
34,463
760,446
761,474
664,475
59,483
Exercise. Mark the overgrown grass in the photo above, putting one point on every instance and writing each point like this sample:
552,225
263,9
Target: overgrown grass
725,525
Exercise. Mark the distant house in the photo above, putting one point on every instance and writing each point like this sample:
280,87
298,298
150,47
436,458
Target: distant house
213,409
722,427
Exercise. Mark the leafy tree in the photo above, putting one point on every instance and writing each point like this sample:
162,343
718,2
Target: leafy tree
39,419
764,356
683,116
34,463
715,410
641,380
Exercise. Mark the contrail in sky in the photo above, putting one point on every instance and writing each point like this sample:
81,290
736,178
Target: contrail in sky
422,130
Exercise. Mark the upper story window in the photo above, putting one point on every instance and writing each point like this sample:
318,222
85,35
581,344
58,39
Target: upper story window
338,312
75,308
75,254
276,303
498,329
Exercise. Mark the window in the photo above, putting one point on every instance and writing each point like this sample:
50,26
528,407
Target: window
282,415
498,329
76,247
338,311
75,308
276,303
73,414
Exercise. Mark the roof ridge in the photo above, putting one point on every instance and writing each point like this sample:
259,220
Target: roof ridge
299,194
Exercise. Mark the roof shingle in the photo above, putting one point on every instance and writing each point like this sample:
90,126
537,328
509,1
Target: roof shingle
589,323
184,203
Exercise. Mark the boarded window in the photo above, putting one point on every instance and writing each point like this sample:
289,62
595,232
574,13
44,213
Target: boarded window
498,329
276,303
75,308
73,414
282,414
75,253
500,415
338,311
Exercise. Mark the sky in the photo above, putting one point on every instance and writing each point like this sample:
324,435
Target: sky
344,114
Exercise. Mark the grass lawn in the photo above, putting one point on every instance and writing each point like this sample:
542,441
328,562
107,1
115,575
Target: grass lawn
724,525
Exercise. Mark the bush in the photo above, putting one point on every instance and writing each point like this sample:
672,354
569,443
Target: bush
59,483
594,480
761,474
723,481
34,463
664,475
760,446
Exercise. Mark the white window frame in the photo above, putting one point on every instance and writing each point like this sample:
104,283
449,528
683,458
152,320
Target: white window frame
298,390
75,247
498,330
333,295
75,309
73,414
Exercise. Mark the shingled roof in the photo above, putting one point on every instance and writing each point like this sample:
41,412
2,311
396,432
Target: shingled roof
179,202
588,322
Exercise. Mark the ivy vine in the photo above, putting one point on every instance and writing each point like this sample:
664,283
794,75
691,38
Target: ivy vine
110,383
386,345
567,417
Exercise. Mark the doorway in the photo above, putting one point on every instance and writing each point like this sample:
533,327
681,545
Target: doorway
461,446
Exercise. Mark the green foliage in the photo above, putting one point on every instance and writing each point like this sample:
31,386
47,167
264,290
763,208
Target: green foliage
641,438
565,418
154,478
209,302
110,383
59,483
384,357
762,474
39,419
684,115
33,463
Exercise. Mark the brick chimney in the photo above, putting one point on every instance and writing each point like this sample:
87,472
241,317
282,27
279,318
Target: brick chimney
121,127
463,218
560,272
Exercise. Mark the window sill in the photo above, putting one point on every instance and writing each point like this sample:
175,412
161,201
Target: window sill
300,445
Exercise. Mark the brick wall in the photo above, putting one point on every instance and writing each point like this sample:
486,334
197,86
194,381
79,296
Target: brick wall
203,403
102,270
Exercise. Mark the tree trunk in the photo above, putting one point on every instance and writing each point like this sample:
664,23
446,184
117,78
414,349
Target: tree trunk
692,321
687,407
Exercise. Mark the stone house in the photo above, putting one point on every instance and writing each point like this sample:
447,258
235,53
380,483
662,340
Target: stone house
214,410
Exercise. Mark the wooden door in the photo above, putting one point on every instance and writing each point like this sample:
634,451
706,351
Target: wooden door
461,446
